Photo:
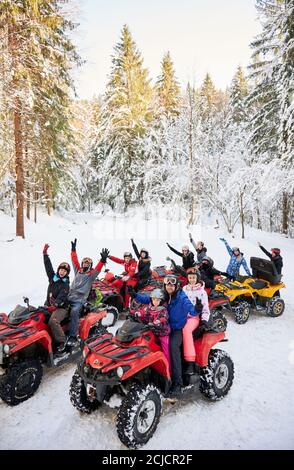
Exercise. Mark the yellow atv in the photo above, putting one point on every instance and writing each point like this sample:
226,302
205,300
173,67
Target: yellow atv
259,292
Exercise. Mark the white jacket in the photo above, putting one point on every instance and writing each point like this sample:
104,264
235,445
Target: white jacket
198,292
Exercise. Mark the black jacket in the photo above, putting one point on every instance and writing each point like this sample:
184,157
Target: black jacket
207,275
58,288
277,260
144,265
188,261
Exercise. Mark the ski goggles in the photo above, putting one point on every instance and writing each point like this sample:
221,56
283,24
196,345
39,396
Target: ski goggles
170,280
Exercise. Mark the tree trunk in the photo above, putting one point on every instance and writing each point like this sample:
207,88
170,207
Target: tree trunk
19,184
242,215
259,226
18,138
285,226
35,205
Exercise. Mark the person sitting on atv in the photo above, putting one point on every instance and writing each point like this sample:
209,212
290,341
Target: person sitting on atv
200,249
57,296
178,307
197,295
274,256
144,264
157,315
79,291
187,255
128,279
208,272
237,260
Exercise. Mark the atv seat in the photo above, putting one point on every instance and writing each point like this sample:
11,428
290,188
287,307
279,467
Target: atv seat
214,294
258,284
264,269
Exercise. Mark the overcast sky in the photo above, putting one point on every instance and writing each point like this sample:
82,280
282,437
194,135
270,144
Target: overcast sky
202,36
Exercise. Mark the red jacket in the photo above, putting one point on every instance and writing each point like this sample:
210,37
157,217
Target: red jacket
77,266
130,267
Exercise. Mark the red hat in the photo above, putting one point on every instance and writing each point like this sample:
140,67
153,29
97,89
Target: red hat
276,250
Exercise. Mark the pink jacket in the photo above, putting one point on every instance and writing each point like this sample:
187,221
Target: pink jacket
198,292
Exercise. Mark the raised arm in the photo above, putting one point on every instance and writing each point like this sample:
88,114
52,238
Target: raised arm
267,253
116,260
135,248
192,241
229,249
175,251
144,271
47,263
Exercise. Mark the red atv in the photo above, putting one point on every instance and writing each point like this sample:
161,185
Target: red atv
132,364
26,344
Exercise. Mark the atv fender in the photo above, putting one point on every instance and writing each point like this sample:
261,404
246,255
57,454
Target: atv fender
89,321
204,344
41,337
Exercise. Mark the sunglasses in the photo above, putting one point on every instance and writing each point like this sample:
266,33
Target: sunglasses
170,280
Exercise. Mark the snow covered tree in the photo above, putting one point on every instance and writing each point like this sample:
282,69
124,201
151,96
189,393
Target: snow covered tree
126,116
36,57
167,89
238,93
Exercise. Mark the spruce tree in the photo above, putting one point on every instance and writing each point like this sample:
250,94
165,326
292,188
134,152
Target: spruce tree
126,116
167,89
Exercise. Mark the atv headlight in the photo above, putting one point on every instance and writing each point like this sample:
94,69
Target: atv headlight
6,349
120,372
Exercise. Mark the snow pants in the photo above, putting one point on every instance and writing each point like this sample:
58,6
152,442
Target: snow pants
176,339
164,342
55,319
189,348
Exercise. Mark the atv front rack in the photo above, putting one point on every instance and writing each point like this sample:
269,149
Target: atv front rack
136,352
18,332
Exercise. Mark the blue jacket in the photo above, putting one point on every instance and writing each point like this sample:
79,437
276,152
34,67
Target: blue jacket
178,309
236,262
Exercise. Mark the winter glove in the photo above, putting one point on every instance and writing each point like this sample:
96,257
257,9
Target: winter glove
258,243
73,245
190,236
198,306
222,239
104,255
125,278
45,249
132,292
168,245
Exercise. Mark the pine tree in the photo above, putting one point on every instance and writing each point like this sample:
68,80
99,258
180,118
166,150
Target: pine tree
168,90
126,115
36,57
238,94
208,98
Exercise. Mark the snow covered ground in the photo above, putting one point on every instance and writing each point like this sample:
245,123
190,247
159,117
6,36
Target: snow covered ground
258,412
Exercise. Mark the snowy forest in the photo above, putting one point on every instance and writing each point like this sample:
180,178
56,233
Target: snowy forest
146,141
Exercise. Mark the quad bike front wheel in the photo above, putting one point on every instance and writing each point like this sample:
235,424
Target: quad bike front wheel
242,312
139,415
217,377
276,307
21,381
78,395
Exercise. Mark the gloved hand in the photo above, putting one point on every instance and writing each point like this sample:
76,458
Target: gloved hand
104,255
190,236
222,239
132,292
132,240
45,249
168,245
258,243
198,306
125,278
73,245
